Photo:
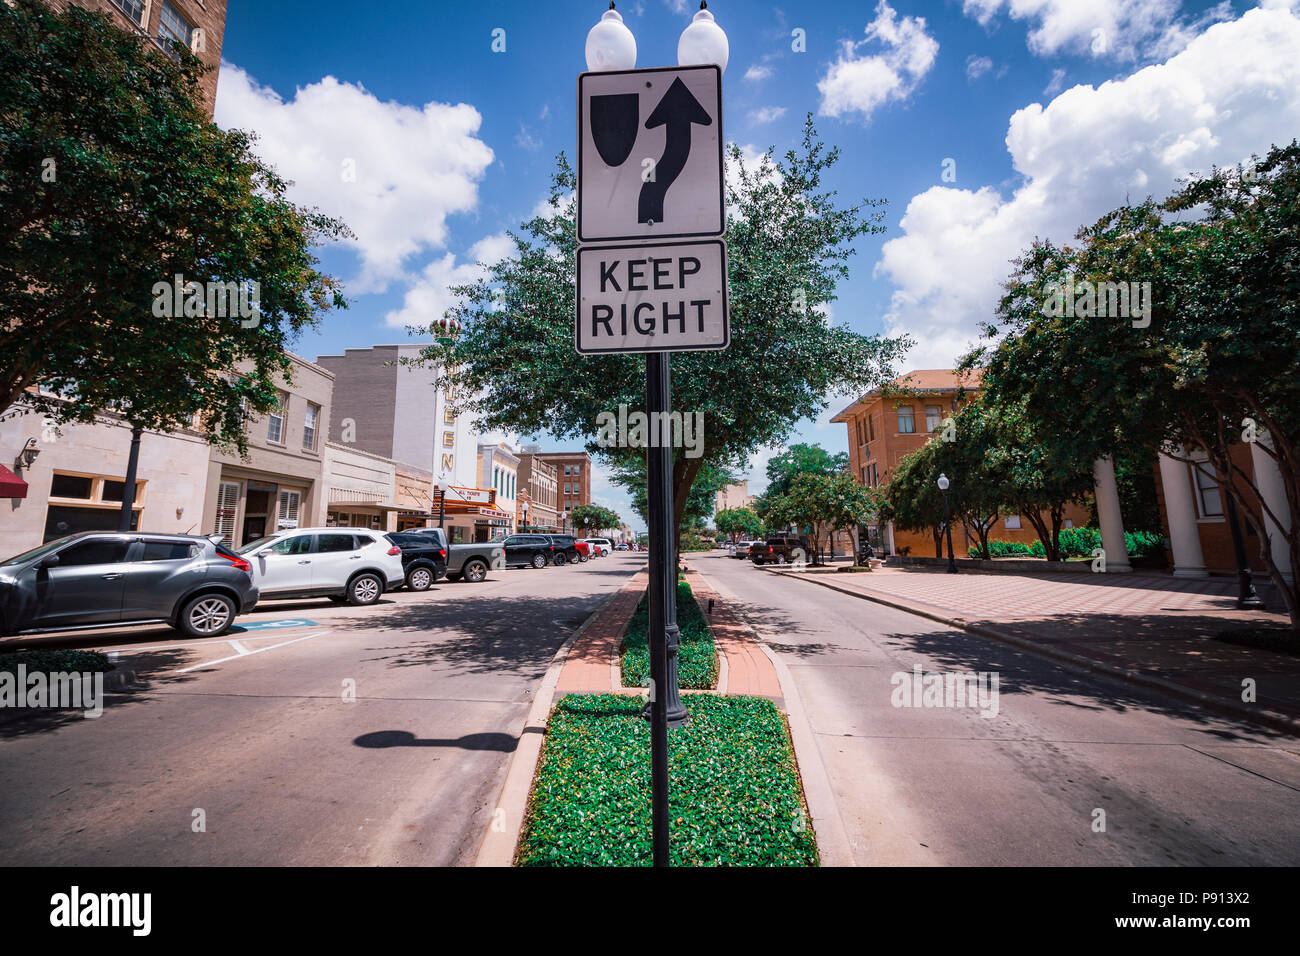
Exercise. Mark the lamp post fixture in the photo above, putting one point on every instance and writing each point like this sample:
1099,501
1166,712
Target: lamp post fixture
947,521
1246,596
525,510
611,47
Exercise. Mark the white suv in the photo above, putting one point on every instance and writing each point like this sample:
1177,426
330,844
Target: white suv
604,544
355,565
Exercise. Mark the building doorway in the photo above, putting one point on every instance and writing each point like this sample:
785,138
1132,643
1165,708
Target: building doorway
257,510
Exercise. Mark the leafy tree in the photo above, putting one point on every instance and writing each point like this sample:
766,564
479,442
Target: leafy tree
1216,360
847,505
630,472
802,459
112,181
789,243
738,522
591,518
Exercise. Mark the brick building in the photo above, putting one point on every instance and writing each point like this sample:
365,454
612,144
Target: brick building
539,485
198,24
573,472
887,425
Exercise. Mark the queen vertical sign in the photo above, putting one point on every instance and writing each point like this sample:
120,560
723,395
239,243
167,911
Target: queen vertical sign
652,278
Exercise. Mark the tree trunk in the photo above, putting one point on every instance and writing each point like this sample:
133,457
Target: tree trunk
684,472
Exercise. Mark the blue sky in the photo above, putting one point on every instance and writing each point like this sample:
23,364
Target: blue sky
1050,111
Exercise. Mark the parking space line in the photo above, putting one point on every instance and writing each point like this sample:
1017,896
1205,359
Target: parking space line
239,647
260,650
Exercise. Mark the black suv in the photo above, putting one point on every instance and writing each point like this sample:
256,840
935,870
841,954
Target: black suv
528,550
423,559
779,550
566,549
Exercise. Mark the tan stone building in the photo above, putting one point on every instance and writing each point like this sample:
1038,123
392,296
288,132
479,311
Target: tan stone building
72,478
733,496
539,486
573,472
280,483
199,25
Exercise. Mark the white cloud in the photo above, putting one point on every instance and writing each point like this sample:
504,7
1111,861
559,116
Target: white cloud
1058,81
676,6
1080,156
414,166
862,83
758,72
1117,29
766,114
430,295
977,66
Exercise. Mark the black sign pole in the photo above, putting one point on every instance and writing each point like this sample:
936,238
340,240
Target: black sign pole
660,500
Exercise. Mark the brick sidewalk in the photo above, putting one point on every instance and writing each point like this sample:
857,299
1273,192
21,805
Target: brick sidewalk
592,666
1155,625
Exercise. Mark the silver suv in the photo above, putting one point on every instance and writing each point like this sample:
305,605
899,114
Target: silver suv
355,565
105,579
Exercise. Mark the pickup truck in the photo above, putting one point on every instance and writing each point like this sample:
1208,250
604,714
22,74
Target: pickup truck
469,562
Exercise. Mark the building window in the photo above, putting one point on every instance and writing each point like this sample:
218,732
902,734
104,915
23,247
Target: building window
906,420
227,505
1012,522
310,423
71,486
288,515
172,27
1207,492
133,9
871,429
933,416
275,422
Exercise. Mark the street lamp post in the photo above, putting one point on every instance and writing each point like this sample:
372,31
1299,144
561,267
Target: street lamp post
1246,596
525,510
611,47
947,521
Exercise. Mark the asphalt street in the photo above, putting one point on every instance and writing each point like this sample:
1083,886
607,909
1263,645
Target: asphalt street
310,734
1175,785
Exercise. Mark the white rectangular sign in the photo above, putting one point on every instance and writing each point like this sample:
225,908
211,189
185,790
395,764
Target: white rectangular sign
653,297
650,154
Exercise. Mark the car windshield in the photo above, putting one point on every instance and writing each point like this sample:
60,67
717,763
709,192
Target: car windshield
34,553
259,543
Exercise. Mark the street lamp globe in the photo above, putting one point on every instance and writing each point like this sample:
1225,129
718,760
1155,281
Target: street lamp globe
610,44
703,42
944,482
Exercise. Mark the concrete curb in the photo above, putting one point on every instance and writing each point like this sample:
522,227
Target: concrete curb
833,846
499,845
1269,718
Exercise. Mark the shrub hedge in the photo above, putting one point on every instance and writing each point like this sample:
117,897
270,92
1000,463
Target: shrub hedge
697,658
1078,543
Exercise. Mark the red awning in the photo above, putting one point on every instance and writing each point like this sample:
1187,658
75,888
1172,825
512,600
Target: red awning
11,486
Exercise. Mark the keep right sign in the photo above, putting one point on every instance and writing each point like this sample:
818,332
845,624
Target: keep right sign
652,297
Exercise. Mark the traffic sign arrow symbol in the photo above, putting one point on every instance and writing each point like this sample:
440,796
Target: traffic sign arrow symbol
678,110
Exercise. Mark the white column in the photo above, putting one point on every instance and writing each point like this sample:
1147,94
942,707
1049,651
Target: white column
1268,479
1180,509
1110,517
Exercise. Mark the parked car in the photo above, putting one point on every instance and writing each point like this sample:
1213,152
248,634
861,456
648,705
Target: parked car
528,550
742,549
604,545
423,558
352,565
566,549
99,579
466,562
779,550
584,551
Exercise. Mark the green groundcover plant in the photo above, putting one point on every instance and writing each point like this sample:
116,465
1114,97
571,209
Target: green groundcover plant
55,661
1078,543
697,658
734,792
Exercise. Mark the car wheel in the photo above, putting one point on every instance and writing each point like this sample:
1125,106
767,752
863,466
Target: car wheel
420,579
474,571
365,589
583,558
780,559
539,561
560,560
208,615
